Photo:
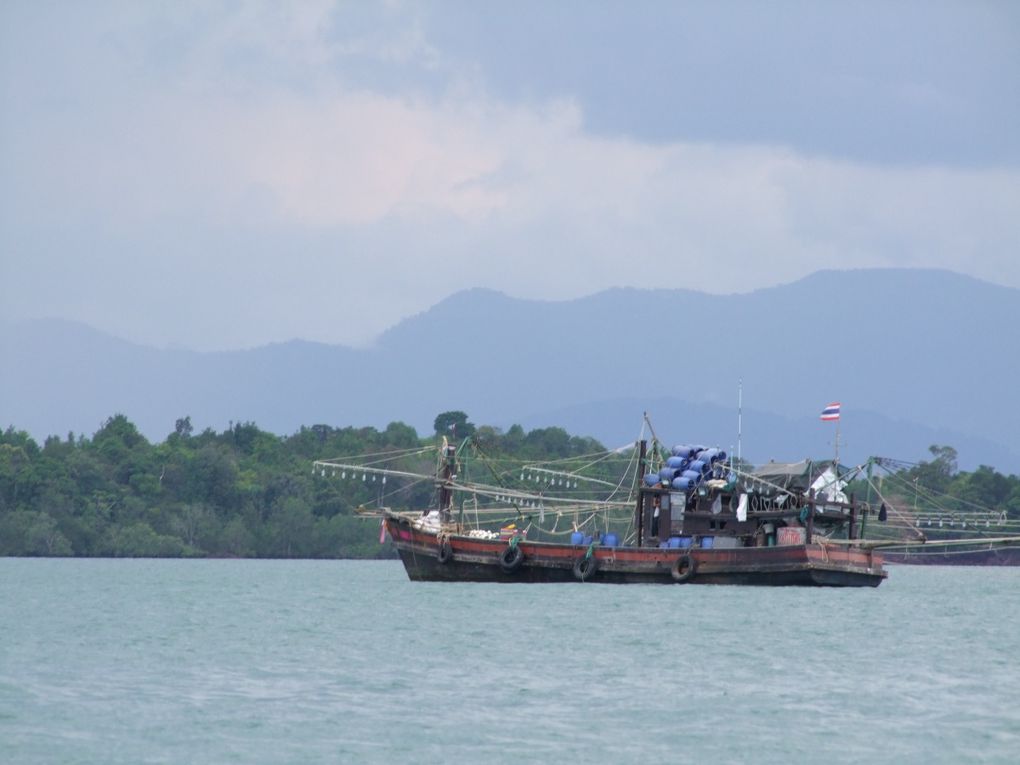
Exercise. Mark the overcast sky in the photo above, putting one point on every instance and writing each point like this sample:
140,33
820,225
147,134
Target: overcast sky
222,175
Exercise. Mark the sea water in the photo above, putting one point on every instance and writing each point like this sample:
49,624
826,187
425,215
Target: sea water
146,661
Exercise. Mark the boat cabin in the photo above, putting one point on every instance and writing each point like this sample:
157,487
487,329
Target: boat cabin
777,504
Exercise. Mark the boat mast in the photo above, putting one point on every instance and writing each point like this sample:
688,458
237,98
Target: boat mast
446,474
867,499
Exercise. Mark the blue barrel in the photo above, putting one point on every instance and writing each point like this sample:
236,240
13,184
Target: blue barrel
707,542
667,474
652,479
683,450
691,475
683,484
685,542
577,538
721,456
676,462
699,466
611,540
587,539
673,542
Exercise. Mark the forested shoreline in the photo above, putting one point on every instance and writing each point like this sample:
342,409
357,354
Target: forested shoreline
245,492
242,492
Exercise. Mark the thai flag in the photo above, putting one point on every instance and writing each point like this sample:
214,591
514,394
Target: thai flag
831,412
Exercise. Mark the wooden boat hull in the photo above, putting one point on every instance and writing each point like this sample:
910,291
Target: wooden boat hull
972,555
469,559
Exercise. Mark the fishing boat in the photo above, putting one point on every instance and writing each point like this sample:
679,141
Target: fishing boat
638,514
919,525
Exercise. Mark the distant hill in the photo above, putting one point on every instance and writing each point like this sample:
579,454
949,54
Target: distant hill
917,357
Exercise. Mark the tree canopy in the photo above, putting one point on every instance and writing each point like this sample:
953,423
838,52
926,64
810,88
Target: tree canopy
242,492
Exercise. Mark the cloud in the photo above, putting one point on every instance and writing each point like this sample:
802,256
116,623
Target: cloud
248,156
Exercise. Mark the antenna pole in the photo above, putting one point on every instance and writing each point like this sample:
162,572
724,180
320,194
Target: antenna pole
837,442
740,413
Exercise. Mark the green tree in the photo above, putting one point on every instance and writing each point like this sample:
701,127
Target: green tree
290,529
44,538
140,540
937,474
236,540
453,422
193,522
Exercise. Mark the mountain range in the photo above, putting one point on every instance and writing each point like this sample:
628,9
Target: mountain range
917,357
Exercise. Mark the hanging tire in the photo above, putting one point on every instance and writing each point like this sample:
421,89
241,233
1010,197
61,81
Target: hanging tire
511,559
683,569
445,552
585,567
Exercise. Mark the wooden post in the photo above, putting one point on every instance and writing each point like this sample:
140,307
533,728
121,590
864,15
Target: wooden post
810,515
853,518
640,509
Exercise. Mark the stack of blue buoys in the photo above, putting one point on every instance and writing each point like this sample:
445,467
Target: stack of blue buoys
713,460
675,543
687,467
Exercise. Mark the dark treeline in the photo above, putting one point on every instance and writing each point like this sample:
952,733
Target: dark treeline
242,492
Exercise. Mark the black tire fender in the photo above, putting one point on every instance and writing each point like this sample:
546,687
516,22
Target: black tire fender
585,567
511,559
683,569
445,552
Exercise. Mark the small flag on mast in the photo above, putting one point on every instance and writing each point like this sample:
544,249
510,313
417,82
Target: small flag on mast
831,412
